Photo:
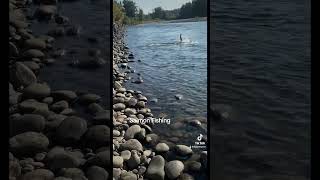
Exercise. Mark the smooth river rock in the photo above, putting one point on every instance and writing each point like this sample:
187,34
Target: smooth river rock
155,169
28,143
173,169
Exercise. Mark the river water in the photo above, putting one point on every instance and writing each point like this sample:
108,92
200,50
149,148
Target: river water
168,68
260,69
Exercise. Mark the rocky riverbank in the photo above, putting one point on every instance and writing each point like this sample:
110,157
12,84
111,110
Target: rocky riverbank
139,153
48,138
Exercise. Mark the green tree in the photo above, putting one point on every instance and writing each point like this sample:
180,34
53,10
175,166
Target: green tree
199,8
130,8
186,11
140,15
158,13
118,14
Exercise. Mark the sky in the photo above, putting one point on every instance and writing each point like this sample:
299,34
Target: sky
148,5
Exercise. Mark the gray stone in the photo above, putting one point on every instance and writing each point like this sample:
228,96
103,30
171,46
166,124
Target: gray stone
33,53
97,173
94,108
128,176
28,143
89,98
39,174
13,50
58,158
155,169
134,160
162,148
64,95
132,102
59,106
46,11
98,136
21,75
101,159
173,169
130,111
34,107
132,144
54,121
117,162
73,173
193,166
32,65
36,91
27,122
126,154
132,131
119,107
183,150
71,130
35,43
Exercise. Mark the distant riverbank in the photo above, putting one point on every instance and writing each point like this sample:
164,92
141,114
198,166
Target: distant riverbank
195,19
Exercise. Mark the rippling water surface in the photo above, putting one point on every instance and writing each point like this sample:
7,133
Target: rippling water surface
260,69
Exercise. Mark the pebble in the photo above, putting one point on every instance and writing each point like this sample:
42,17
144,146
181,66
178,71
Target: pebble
134,160
35,43
89,98
71,129
36,91
128,176
101,159
162,148
97,173
183,150
33,53
173,169
28,143
58,158
126,154
193,166
48,100
132,131
98,136
155,170
64,95
117,161
27,122
34,107
132,144
21,75
59,106
39,174
46,11
119,107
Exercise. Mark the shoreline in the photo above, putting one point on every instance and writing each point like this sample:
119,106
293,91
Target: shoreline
196,19
49,138
135,145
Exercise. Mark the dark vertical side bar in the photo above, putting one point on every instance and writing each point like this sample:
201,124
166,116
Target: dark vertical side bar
209,148
111,89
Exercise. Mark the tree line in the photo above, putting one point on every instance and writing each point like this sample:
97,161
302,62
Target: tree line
128,12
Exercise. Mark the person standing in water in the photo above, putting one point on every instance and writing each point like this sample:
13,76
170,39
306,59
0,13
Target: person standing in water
180,37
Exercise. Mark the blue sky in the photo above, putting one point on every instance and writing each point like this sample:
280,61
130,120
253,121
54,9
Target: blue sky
148,5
